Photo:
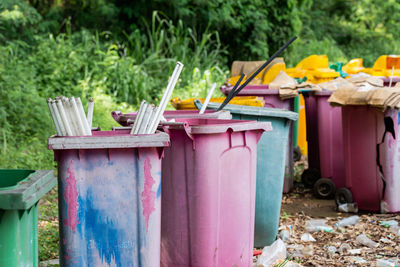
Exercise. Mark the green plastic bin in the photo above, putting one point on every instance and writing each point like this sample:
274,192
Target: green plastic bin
271,158
20,191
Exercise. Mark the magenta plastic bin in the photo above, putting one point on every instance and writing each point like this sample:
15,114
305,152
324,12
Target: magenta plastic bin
386,80
208,201
273,100
126,119
372,157
109,187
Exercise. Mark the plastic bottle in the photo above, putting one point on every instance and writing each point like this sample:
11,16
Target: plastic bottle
332,250
386,263
352,220
318,225
284,235
364,240
344,248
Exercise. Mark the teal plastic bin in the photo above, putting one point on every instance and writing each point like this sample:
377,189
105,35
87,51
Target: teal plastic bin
271,159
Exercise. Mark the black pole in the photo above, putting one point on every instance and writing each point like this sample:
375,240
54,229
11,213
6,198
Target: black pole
277,53
227,99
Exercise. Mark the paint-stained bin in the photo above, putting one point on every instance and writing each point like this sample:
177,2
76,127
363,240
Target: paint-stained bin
208,201
372,158
20,191
109,198
271,158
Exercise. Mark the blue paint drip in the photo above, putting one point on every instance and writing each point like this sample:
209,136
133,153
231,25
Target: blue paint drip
159,191
100,233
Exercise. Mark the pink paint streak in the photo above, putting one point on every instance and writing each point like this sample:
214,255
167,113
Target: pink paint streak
148,196
71,198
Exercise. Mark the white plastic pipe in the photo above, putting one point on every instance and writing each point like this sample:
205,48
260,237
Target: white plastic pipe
82,115
59,120
90,112
167,95
146,119
391,77
204,106
53,116
71,119
153,113
139,117
75,114
64,117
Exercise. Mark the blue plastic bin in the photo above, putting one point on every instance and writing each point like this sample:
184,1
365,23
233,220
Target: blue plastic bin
271,158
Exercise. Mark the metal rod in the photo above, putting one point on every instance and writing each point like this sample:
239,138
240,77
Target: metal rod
203,108
83,116
58,116
167,95
277,53
90,112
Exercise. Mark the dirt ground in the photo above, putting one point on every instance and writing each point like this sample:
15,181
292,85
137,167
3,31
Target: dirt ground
300,206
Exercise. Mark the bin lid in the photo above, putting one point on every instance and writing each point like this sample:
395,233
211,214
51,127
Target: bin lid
257,111
213,126
26,188
252,90
122,118
109,139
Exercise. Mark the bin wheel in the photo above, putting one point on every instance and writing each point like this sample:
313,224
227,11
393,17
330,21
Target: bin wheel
324,188
296,154
310,176
343,195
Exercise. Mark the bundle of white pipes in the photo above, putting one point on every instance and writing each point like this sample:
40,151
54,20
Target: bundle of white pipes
69,117
149,116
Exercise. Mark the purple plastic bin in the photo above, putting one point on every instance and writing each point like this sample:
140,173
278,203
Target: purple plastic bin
208,201
122,118
273,100
371,140
386,80
325,141
109,187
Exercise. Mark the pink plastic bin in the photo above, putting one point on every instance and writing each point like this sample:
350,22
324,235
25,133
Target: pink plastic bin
273,100
208,199
372,145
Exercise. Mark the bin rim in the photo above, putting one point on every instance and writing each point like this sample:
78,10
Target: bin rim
215,126
109,139
31,172
257,111
252,90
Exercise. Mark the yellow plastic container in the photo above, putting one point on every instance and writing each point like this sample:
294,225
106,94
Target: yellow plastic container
302,133
188,104
383,66
354,66
315,68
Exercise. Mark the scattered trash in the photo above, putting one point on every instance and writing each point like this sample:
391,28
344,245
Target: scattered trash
271,254
308,250
395,229
344,248
348,221
318,226
358,260
257,252
364,240
355,251
284,235
386,263
332,250
389,223
385,240
306,237
348,207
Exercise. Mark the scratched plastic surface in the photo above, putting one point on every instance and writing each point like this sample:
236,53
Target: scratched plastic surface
110,206
208,200
273,100
363,132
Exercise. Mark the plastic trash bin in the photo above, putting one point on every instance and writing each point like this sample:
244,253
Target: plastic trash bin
272,100
209,183
325,140
109,198
20,191
372,159
126,119
271,158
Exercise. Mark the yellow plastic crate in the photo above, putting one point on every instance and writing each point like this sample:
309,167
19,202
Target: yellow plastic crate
354,66
188,104
383,66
